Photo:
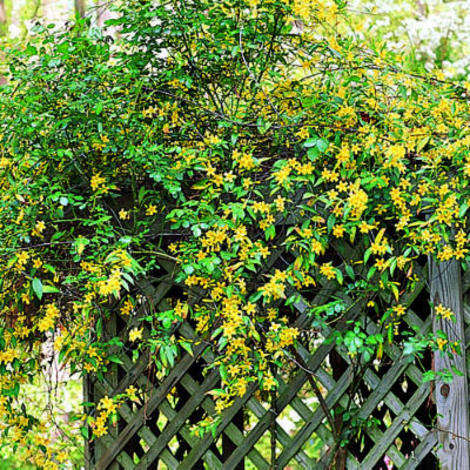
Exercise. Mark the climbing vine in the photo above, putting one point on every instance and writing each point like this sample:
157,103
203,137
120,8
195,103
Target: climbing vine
211,135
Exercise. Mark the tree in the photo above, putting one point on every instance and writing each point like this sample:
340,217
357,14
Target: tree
3,18
80,8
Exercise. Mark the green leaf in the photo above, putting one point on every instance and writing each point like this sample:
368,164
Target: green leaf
115,359
98,107
371,272
223,372
47,289
339,276
350,271
331,221
84,432
37,288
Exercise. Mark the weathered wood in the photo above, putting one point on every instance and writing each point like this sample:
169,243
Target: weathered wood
423,449
175,447
80,8
88,445
451,398
394,429
113,378
285,397
228,445
139,419
175,424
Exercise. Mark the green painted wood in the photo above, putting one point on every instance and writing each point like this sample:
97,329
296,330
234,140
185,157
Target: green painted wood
155,400
144,433
316,419
197,452
284,439
88,446
285,397
175,424
123,459
148,437
231,430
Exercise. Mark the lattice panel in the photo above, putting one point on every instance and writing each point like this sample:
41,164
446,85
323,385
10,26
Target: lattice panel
157,433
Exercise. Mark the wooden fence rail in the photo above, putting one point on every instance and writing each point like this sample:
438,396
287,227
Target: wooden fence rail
407,431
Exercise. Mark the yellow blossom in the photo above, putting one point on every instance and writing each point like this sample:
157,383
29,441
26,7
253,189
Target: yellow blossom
135,334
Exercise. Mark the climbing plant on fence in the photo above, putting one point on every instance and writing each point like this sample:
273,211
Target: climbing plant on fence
392,396
279,164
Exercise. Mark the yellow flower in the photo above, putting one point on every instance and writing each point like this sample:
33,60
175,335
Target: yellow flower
338,231
269,382
131,392
97,182
280,203
399,310
240,233
328,270
62,456
23,257
444,312
358,202
250,308
264,251
40,226
441,343
107,404
135,334
396,154
48,321
246,161
127,307
123,215
151,210
381,264
110,285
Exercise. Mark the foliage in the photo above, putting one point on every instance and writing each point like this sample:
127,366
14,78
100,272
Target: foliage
435,31
211,134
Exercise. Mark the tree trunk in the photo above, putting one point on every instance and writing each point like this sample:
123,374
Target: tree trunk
80,8
3,18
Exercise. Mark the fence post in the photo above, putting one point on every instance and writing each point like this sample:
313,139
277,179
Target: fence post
451,398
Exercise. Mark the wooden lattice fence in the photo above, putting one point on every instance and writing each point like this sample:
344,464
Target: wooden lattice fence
255,434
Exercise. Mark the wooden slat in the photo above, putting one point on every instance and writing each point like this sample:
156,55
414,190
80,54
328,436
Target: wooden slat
284,399
155,400
176,423
114,451
423,449
404,417
197,453
231,430
145,433
451,398
317,417
281,435
148,437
